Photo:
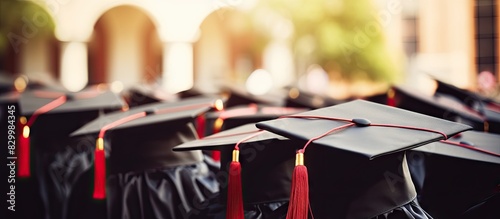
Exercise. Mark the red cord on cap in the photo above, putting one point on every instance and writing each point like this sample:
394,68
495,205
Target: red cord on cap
471,148
24,140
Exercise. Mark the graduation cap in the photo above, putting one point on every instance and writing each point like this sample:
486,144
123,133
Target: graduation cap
267,161
386,98
355,157
467,97
193,92
486,107
153,121
244,114
237,96
438,106
137,144
46,119
42,109
140,95
461,173
240,115
302,99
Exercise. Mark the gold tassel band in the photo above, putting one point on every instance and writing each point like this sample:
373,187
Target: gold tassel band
299,159
236,155
100,144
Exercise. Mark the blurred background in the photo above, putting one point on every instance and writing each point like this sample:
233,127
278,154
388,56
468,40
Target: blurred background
338,48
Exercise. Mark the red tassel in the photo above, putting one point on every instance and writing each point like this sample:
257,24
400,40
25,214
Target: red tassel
216,155
24,153
99,171
390,97
234,191
299,198
200,126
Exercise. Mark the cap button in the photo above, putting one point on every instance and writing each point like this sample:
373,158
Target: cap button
467,143
361,122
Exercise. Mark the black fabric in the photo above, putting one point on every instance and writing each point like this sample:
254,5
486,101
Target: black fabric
266,171
55,165
148,147
452,186
411,210
162,193
214,209
174,192
350,186
454,179
485,209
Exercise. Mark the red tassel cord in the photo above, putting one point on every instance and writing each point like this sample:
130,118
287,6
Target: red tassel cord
234,191
24,140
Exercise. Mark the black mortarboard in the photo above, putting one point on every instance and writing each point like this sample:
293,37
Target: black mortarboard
267,162
437,106
237,96
48,119
193,92
240,115
356,161
6,83
302,99
468,97
486,107
461,173
138,147
62,112
140,95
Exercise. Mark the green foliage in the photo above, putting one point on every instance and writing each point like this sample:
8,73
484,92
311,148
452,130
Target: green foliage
345,33
22,19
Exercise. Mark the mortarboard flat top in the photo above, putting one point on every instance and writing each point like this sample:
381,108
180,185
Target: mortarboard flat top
228,139
157,113
368,141
31,101
481,140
